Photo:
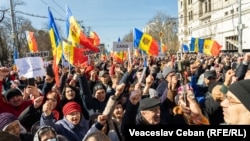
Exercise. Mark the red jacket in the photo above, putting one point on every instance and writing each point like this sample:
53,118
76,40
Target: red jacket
6,107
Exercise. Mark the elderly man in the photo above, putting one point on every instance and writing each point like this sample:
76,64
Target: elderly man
236,105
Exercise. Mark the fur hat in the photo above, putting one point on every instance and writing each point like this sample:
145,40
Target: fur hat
241,90
71,107
11,93
147,103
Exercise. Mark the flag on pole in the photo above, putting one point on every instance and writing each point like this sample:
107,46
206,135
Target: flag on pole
56,45
31,41
74,55
75,34
194,45
185,48
94,38
145,42
211,47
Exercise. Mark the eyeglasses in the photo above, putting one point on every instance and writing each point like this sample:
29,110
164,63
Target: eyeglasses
231,101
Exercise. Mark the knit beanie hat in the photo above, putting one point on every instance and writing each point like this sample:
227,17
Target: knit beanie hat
71,107
241,90
166,71
147,103
6,118
11,93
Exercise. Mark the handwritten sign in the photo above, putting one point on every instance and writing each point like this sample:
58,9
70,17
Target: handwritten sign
30,67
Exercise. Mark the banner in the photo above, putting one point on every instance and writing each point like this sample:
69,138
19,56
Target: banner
122,46
30,67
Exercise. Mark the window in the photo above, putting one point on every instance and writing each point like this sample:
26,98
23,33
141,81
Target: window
190,15
189,31
231,42
207,6
232,11
189,2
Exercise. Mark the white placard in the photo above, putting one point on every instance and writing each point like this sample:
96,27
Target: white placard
30,67
122,46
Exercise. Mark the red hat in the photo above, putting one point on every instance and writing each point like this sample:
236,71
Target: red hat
71,107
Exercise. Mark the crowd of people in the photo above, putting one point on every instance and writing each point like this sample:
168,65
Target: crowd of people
98,100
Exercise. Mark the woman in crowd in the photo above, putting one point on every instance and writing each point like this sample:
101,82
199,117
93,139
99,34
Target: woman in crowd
73,125
10,124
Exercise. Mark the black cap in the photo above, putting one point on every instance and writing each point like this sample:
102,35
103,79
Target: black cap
11,93
148,103
241,90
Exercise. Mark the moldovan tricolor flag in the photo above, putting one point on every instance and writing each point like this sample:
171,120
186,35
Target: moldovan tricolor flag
94,38
146,42
75,34
211,47
74,55
31,41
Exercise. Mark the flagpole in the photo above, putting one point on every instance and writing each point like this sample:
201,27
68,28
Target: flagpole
161,34
129,56
69,58
122,56
62,55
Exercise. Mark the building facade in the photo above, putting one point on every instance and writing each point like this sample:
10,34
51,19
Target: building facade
226,21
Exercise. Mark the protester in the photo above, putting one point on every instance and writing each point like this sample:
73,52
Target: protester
32,114
73,125
10,124
236,105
